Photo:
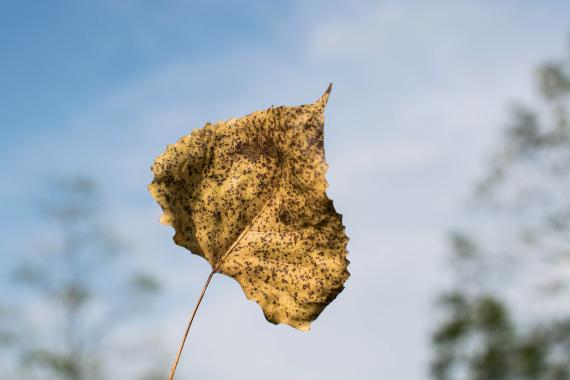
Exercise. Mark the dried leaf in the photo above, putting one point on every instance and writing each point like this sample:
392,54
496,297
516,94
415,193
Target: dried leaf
249,195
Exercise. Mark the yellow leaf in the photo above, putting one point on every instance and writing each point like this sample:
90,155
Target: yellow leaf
249,195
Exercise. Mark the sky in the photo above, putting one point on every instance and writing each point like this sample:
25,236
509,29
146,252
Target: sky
421,91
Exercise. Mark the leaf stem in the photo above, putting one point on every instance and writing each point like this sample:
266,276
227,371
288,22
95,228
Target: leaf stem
175,364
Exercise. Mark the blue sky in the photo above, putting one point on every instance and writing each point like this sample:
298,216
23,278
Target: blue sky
420,93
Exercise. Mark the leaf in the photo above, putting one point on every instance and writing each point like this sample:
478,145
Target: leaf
249,196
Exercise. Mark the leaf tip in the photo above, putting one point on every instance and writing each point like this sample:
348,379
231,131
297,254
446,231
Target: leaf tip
325,97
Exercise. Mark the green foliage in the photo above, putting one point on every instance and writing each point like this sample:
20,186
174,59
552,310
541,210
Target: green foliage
480,339
82,281
483,335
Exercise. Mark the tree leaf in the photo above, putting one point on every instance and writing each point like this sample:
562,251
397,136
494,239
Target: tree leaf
249,196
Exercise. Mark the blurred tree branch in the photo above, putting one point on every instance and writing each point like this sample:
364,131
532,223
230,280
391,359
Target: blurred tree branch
81,282
522,208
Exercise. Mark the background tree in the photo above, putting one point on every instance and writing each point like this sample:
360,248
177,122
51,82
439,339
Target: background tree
507,315
75,291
